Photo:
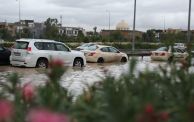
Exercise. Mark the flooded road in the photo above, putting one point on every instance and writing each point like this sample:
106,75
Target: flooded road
76,80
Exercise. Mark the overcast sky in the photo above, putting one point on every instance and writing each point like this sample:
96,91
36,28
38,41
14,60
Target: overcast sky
90,13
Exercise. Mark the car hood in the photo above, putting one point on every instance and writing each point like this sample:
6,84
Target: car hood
77,52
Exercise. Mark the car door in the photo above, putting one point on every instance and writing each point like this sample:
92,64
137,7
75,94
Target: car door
48,50
64,54
114,54
105,54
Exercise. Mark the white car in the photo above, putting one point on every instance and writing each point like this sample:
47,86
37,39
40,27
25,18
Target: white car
102,54
85,46
180,46
165,54
38,53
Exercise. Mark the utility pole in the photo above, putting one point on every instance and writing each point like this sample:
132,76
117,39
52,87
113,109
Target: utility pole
61,20
134,20
60,28
19,17
109,23
164,24
189,24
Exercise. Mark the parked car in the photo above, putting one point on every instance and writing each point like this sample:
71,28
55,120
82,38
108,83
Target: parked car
101,54
4,55
166,53
38,53
179,45
85,46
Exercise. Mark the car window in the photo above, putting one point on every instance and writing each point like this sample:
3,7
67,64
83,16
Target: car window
162,49
61,47
113,50
92,48
104,49
38,45
21,45
179,50
1,49
87,45
48,46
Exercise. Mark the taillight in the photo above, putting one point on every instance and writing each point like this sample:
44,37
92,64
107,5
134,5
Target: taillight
92,54
163,54
29,49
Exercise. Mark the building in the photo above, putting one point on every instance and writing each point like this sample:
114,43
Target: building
122,25
24,24
123,29
38,30
173,31
71,31
10,27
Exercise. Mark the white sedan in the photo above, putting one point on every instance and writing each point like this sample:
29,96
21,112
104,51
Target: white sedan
102,53
165,54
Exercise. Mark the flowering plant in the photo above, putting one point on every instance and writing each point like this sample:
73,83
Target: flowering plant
149,96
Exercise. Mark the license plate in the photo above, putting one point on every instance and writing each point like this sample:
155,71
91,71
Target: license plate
17,54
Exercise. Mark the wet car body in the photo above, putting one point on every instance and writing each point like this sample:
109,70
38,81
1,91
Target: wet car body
167,53
104,54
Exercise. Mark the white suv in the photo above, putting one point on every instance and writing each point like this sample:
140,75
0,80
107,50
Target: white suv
38,52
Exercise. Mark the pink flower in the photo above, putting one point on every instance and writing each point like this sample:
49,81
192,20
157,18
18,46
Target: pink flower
43,115
149,109
28,92
6,110
164,116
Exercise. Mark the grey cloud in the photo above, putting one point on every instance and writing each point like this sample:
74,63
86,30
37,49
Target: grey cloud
90,13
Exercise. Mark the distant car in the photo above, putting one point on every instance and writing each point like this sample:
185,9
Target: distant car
180,46
4,55
85,46
101,54
166,53
38,52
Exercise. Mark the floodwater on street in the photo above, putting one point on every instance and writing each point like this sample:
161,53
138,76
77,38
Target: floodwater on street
76,80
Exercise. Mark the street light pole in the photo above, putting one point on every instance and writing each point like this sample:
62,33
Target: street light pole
19,17
134,20
109,22
189,24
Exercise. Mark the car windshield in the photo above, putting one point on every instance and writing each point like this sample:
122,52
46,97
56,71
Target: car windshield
1,48
162,49
87,45
178,50
91,48
21,45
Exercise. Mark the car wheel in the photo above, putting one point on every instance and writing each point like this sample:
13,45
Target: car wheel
78,62
123,59
100,60
42,63
170,58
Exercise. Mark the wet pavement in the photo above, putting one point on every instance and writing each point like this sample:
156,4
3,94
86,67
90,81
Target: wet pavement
75,79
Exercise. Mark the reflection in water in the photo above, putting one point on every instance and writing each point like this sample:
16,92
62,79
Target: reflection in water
76,80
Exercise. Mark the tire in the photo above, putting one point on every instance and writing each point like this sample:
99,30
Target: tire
123,59
170,59
78,62
100,60
42,63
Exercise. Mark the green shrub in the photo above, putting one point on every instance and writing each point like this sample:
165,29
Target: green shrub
7,44
161,95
